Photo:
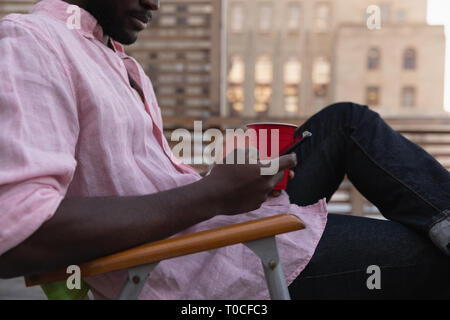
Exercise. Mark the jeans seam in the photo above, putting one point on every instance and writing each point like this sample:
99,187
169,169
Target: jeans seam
439,211
445,215
354,271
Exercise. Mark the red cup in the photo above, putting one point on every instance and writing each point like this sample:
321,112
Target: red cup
286,139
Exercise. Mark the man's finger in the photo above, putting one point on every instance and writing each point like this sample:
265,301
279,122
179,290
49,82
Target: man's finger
291,174
287,162
275,193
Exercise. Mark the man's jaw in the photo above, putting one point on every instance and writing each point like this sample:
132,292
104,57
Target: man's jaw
133,23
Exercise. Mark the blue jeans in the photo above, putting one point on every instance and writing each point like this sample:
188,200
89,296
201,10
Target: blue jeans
408,186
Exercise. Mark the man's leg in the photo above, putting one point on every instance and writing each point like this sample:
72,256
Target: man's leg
410,266
406,183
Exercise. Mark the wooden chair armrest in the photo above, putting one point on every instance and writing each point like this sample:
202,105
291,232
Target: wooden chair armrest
179,246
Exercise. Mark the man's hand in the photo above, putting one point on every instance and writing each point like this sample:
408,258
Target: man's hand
242,188
277,193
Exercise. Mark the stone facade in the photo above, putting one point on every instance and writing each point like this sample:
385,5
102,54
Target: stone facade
329,46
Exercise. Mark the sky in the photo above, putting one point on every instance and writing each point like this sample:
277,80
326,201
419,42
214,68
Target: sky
439,13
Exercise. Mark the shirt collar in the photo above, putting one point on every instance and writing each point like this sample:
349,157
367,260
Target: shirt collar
89,27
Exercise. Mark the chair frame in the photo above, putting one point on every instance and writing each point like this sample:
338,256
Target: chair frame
258,235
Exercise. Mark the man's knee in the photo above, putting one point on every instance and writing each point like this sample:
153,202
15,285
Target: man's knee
350,111
343,114
345,107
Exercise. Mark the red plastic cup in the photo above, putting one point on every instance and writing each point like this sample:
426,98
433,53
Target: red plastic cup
286,139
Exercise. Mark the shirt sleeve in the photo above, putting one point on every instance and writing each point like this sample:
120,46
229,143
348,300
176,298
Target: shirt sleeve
38,132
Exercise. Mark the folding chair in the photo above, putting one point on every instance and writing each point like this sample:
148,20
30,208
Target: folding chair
258,235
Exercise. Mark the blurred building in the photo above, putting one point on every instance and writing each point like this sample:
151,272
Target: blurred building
15,6
181,54
290,58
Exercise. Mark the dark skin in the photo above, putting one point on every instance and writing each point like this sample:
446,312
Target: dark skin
86,228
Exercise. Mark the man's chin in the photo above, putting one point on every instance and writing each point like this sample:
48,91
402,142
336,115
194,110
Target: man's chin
125,38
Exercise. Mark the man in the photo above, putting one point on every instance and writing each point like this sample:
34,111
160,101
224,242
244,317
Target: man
86,172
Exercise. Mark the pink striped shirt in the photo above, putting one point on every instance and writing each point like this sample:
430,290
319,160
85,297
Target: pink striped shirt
71,125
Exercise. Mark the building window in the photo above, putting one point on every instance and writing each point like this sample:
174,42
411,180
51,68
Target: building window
293,17
236,78
182,8
409,59
265,17
237,18
292,82
263,83
321,76
263,70
409,97
181,21
373,96
373,59
322,17
292,72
